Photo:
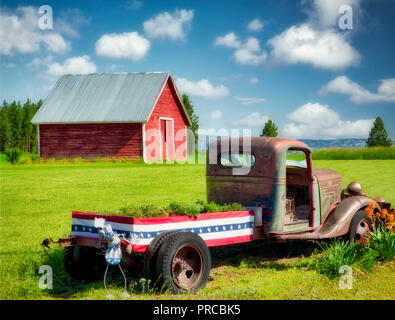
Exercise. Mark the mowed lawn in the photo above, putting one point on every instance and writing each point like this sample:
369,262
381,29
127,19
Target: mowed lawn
37,200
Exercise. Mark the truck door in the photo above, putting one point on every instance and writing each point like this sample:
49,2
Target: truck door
299,207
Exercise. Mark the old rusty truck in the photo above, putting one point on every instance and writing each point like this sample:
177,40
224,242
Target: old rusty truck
283,196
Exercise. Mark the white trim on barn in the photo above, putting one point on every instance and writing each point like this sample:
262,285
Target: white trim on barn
186,143
38,140
157,99
144,156
161,138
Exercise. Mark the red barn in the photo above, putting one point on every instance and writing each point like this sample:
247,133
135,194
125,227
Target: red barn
125,115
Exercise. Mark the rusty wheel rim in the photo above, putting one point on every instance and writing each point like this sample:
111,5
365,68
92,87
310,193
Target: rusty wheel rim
362,233
187,266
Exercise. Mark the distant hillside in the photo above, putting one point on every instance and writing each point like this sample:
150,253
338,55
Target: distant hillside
338,143
314,143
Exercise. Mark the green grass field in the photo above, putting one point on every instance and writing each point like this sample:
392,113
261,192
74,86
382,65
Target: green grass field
37,200
372,153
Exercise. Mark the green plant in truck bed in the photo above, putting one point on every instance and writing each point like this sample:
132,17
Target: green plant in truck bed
193,209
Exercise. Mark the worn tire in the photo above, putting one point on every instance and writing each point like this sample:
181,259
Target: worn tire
359,227
83,263
183,263
151,254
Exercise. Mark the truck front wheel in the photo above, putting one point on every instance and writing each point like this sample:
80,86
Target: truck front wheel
184,262
360,228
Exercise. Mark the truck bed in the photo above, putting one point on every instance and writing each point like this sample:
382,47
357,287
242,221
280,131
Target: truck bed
216,229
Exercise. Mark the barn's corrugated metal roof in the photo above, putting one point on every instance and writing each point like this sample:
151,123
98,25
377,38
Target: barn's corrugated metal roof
121,97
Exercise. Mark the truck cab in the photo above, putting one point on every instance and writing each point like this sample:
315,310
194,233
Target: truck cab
290,199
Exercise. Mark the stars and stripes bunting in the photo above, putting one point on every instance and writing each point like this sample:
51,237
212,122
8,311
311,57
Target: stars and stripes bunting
216,229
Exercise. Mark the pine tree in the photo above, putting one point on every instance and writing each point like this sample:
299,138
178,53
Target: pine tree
191,113
16,120
378,136
269,130
5,127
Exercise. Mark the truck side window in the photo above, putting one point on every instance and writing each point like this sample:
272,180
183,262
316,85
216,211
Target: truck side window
236,160
296,158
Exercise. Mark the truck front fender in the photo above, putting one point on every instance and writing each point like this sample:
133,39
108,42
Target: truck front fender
338,222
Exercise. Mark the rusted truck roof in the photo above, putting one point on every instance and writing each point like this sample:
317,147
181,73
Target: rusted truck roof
264,143
266,151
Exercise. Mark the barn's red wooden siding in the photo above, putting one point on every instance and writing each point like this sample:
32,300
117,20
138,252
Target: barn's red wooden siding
120,140
168,106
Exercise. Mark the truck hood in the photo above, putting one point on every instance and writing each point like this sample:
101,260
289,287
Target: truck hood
326,175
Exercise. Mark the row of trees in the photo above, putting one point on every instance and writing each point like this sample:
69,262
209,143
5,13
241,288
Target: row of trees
378,136
16,130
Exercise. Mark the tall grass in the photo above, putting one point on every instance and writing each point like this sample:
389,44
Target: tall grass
379,153
341,253
382,241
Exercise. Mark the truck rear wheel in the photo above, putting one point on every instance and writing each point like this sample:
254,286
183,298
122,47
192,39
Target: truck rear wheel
151,255
360,228
183,263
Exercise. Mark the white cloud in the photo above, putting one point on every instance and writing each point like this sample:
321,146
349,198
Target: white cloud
255,25
325,13
169,25
229,40
202,88
19,33
326,49
316,121
254,119
54,42
37,62
122,45
74,65
252,100
318,41
314,113
247,52
216,115
359,95
254,80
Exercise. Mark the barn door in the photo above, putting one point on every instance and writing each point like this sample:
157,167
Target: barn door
167,131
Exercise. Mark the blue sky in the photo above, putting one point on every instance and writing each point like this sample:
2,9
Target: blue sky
241,62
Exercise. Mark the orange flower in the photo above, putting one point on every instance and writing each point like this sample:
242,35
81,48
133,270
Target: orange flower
384,214
390,225
370,210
